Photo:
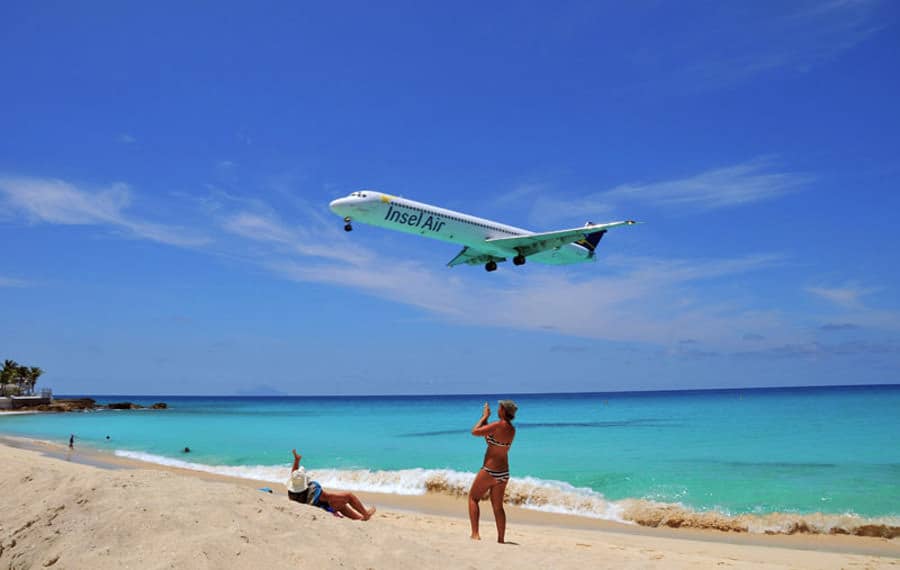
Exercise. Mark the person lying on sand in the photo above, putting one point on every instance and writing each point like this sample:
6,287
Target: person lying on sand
302,490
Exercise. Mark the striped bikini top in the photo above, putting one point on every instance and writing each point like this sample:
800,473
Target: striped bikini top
491,441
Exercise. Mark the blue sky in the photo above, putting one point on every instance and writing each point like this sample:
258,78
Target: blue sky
165,171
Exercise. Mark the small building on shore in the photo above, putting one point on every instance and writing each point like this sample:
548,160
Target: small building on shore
16,402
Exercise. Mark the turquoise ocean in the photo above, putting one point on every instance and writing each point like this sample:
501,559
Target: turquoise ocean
768,460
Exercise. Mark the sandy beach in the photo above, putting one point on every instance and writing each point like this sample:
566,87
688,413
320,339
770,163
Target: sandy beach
84,510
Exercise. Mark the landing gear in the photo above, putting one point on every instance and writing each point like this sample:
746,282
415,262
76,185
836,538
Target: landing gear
519,260
490,266
347,226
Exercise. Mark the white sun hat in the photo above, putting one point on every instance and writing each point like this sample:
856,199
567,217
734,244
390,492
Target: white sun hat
299,481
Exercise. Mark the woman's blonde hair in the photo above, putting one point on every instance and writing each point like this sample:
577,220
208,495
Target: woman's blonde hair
509,407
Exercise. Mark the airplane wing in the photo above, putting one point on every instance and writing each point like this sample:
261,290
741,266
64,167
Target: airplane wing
536,243
473,257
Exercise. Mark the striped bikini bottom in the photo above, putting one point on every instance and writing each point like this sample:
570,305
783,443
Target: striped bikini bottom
500,476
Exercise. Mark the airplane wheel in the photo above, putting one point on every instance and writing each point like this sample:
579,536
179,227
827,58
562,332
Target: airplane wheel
490,266
348,228
519,260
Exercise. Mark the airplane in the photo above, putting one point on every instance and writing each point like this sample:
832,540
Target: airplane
484,241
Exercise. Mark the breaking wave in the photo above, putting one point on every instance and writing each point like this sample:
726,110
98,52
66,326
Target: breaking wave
650,513
554,497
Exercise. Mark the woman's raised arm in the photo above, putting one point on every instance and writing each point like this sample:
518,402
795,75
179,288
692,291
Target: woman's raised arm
481,427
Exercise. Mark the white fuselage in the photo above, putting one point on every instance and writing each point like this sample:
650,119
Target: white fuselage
413,217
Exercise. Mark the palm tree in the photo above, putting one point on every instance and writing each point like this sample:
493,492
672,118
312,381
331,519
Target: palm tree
22,374
22,377
19,379
33,374
8,374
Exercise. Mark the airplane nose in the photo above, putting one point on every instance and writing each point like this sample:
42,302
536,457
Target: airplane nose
336,204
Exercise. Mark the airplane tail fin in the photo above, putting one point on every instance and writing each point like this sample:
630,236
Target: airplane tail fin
590,241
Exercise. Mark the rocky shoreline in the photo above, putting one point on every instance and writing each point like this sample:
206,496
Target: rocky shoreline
87,405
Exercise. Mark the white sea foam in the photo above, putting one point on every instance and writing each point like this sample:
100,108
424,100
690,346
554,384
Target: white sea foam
560,497
527,492
268,473
398,482
553,497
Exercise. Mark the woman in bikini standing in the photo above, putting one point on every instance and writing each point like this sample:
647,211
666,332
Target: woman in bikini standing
494,473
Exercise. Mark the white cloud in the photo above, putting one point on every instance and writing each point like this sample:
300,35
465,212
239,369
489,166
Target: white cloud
795,37
647,300
521,193
621,299
57,202
727,187
308,239
847,307
12,282
642,300
125,138
849,296
731,186
824,30
257,227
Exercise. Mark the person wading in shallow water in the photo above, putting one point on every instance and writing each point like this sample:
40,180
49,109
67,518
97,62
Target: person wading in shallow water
494,473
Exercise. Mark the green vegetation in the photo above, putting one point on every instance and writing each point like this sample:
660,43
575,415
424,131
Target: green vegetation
16,380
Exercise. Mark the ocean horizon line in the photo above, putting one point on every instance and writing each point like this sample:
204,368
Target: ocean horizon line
685,391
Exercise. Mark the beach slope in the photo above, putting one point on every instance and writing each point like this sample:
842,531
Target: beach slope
70,515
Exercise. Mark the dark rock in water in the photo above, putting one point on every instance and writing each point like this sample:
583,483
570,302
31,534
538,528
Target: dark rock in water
82,402
123,406
69,405
86,405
